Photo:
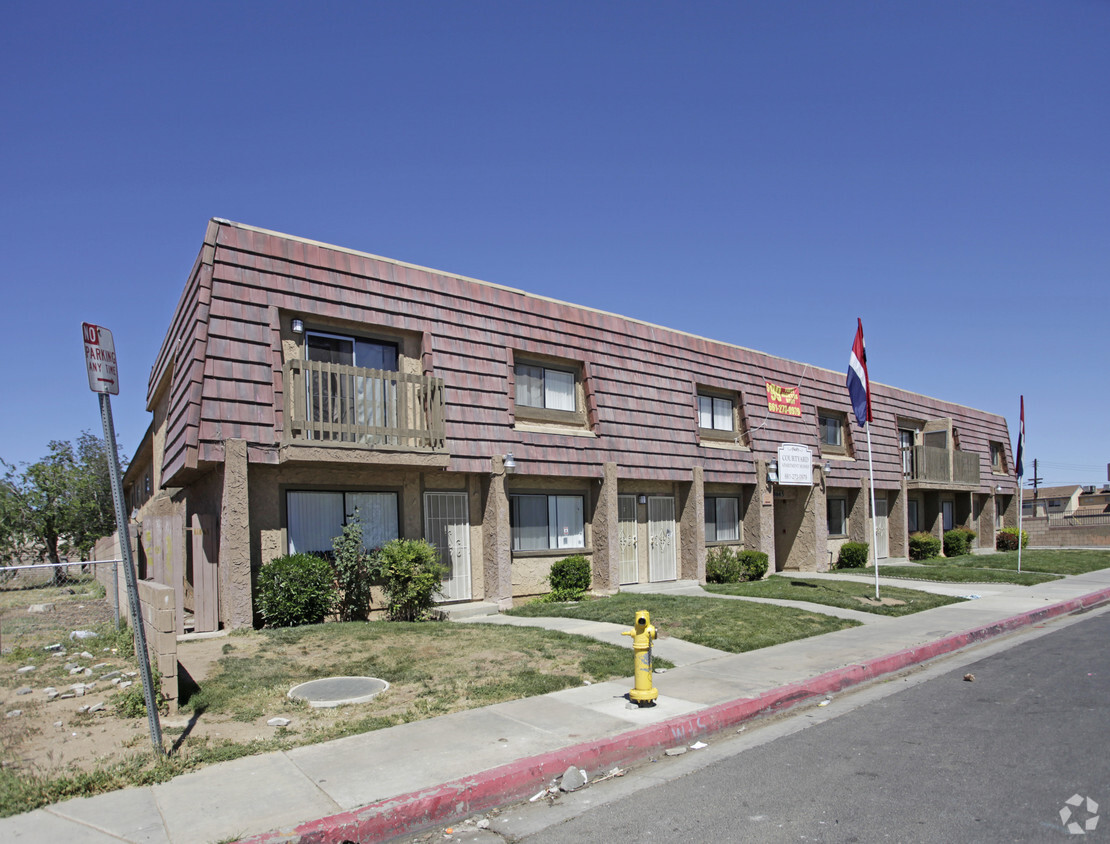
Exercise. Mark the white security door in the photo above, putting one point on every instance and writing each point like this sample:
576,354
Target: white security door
626,530
661,534
447,527
882,544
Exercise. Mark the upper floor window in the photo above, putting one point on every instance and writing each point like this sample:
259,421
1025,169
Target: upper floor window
545,387
715,413
350,351
998,458
830,426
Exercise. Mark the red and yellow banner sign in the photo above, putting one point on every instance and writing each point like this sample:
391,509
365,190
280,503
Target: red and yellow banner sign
784,400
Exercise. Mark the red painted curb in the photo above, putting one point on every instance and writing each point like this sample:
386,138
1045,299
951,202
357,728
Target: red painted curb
522,778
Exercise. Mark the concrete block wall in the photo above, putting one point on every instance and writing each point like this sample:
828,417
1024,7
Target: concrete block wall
1041,535
157,604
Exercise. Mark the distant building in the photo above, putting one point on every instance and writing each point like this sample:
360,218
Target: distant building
299,382
1050,500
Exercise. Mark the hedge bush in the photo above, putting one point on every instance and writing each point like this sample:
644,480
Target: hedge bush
411,576
570,578
853,555
354,572
1007,539
295,589
957,542
727,565
924,546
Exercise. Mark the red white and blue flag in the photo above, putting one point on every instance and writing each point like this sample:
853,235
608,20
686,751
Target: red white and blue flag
1021,440
859,387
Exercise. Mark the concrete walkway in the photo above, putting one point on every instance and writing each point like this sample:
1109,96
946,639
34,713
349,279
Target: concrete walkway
378,785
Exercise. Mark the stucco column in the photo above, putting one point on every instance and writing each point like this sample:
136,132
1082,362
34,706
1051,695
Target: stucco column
691,552
606,534
497,539
759,518
820,520
236,600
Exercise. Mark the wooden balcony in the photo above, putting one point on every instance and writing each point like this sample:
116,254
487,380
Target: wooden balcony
330,404
925,466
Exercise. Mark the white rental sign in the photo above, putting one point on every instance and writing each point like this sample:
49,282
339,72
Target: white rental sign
795,465
100,359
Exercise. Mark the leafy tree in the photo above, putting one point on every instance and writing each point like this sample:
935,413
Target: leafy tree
59,504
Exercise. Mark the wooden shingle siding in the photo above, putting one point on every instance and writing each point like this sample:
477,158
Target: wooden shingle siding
641,380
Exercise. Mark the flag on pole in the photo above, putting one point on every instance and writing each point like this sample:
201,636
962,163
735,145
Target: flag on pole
1021,440
859,388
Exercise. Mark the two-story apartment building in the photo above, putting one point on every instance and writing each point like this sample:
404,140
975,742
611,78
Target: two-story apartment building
299,382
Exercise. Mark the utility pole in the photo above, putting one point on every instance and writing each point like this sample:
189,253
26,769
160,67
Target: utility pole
1035,480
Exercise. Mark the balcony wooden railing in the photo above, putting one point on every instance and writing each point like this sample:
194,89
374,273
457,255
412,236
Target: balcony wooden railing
375,408
927,464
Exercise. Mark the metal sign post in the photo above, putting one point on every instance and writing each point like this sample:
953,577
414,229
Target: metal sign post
100,360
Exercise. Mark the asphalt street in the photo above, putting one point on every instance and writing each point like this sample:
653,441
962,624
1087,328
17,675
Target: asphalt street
928,757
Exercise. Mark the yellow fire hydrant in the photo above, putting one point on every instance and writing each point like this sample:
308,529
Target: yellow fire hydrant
642,636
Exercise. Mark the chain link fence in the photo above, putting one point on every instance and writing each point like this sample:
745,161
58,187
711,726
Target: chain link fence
45,604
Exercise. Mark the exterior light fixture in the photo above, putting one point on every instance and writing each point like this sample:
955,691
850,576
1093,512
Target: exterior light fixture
773,471
510,464
643,499
298,326
828,467
998,488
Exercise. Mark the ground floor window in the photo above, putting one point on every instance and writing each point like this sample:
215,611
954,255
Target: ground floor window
836,512
913,522
722,519
315,518
948,509
543,522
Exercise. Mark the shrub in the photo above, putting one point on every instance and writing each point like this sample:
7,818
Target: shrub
295,589
753,565
924,546
411,576
727,565
569,578
722,566
853,555
957,542
1007,539
131,702
354,572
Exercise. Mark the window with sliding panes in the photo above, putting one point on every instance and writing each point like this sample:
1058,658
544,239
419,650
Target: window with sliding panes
546,522
545,387
722,519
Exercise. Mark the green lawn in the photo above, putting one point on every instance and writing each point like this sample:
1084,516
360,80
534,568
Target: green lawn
846,594
734,626
939,571
1032,559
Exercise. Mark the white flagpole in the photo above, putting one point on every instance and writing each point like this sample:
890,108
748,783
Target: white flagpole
1021,506
874,526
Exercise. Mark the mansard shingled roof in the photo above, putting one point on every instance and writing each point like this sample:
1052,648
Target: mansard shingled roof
222,356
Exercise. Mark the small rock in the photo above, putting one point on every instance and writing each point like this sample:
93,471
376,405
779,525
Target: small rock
82,634
674,751
23,690
87,672
101,665
67,695
573,779
69,666
279,722
13,713
26,669
970,678
77,670
86,654
40,608
109,675
50,693
125,684
58,724
95,707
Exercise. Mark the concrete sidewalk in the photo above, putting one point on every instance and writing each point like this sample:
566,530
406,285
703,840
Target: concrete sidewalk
377,785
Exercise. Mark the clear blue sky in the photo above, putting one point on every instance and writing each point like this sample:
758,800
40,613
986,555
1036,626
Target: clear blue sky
760,173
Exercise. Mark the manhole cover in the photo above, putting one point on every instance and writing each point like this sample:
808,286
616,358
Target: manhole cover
337,691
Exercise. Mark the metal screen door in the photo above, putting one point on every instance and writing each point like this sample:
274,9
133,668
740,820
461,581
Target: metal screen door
882,543
626,530
447,527
661,534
